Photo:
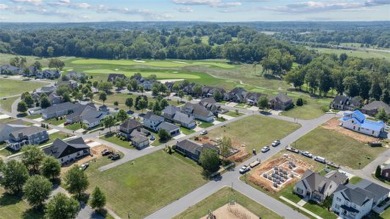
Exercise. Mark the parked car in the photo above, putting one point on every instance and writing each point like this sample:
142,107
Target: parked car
244,169
307,154
320,159
84,166
115,157
275,143
152,138
265,149
105,152
203,132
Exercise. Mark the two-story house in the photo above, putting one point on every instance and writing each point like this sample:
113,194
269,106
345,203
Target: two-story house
30,135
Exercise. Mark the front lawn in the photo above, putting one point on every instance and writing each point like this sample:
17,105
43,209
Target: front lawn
205,124
355,180
186,131
233,114
254,131
75,126
223,197
338,148
116,140
147,184
55,121
320,211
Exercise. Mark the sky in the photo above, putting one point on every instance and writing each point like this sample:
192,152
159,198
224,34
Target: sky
193,10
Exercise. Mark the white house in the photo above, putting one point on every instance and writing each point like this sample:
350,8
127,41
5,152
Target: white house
358,122
152,120
68,151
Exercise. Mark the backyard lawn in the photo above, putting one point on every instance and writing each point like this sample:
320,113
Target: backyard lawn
350,152
254,131
14,207
223,197
116,140
9,87
147,184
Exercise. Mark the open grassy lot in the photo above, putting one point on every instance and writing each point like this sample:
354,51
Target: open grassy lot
116,140
350,152
356,53
147,184
311,110
255,131
15,207
9,87
7,103
223,197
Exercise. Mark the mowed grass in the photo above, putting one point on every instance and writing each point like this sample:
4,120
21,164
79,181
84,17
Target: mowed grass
116,140
147,184
356,53
159,74
338,148
223,197
311,110
153,63
15,207
9,87
7,103
254,131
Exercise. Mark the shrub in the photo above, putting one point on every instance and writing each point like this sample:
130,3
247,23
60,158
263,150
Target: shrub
299,102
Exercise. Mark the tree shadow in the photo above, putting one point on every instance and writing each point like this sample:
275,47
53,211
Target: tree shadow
33,213
8,199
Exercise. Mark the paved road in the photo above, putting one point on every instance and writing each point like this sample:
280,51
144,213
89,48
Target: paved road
233,178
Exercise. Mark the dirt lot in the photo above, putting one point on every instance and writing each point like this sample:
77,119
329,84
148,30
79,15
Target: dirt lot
234,211
333,124
282,162
237,157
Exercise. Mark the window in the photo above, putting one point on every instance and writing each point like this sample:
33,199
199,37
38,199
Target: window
338,199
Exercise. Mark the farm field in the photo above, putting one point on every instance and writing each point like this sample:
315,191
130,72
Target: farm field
254,131
324,143
154,181
223,197
9,87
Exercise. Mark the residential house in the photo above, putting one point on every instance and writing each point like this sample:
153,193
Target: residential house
315,187
31,71
76,75
373,108
385,171
280,102
210,104
188,89
28,135
252,98
358,122
7,128
354,202
133,131
55,99
68,151
152,120
72,84
341,102
185,120
58,110
170,128
198,111
49,74
236,95
139,141
147,84
191,149
114,76
47,90
128,126
10,70
87,114
169,112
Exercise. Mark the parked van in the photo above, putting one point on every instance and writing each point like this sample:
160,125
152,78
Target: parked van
320,159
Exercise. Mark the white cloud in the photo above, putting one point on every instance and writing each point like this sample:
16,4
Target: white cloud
211,3
34,2
3,6
81,5
185,10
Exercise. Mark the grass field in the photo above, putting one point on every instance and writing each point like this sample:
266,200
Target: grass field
255,131
355,180
223,197
311,110
9,87
350,152
116,140
186,131
147,184
7,104
356,53
15,207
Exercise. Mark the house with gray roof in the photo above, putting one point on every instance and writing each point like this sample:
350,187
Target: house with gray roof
236,95
128,126
172,129
87,114
341,102
252,98
152,120
58,110
10,70
114,76
211,104
354,202
280,102
185,120
192,149
373,108
198,111
169,112
55,99
139,141
68,151
315,187
29,135
7,129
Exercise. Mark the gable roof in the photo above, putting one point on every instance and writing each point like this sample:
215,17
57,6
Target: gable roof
170,110
197,109
27,131
356,195
59,107
377,190
169,127
376,105
153,117
184,118
281,97
130,124
60,148
337,177
189,146
208,100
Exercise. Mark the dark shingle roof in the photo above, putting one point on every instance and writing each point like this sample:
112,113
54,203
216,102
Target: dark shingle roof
189,146
60,148
184,118
153,117
59,107
377,190
28,131
131,124
282,98
197,109
376,105
169,127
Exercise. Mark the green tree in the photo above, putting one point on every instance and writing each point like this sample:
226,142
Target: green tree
60,206
15,174
22,107
45,102
76,181
376,90
263,102
163,103
108,122
180,94
32,158
226,145
103,97
129,102
142,104
36,190
218,96
57,64
98,198
105,86
299,101
378,171
121,116
28,99
133,85
209,160
382,115
50,168
164,135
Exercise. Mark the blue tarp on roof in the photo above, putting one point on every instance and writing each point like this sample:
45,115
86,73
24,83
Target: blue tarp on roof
359,116
373,125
